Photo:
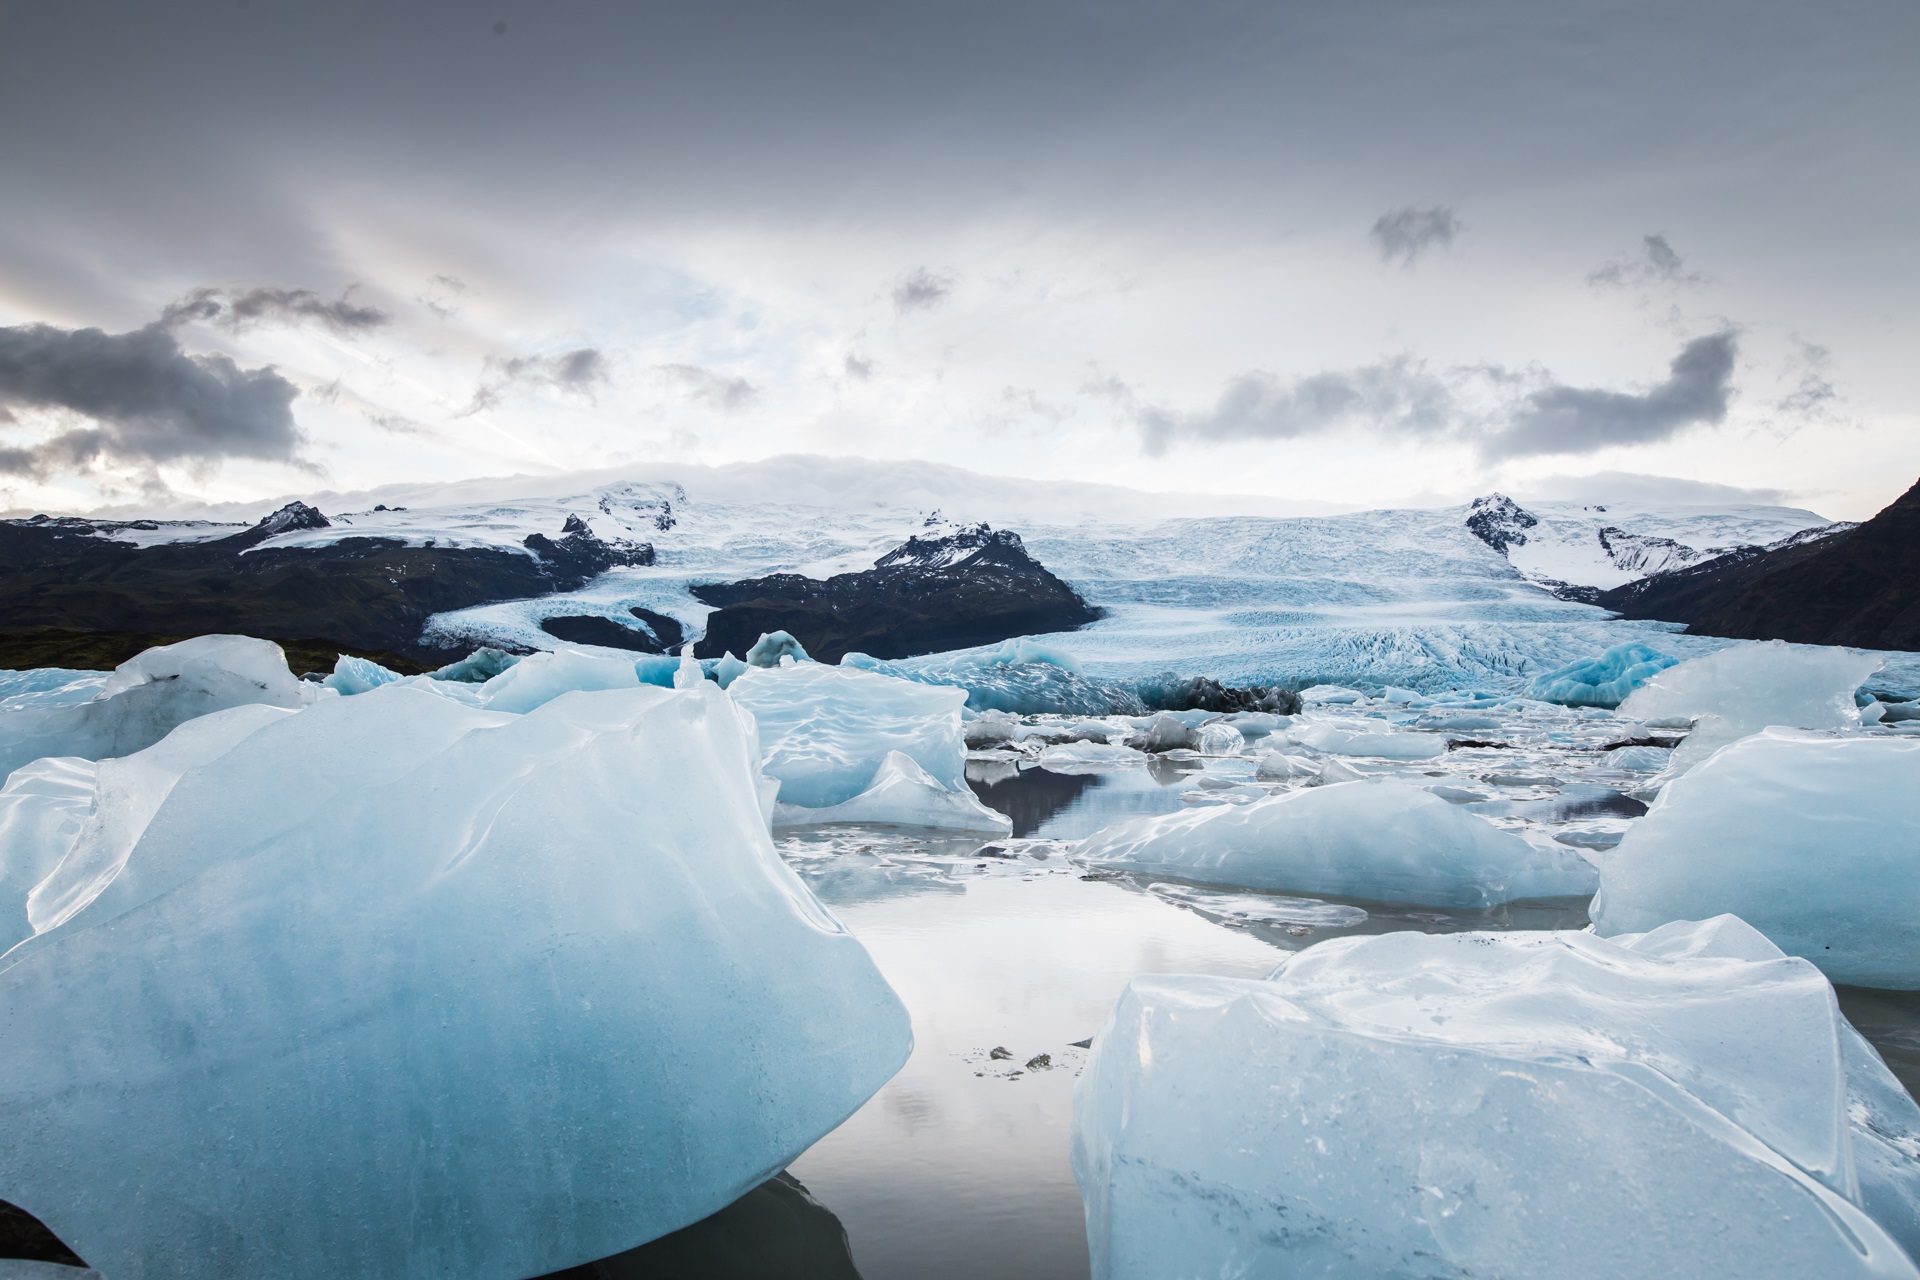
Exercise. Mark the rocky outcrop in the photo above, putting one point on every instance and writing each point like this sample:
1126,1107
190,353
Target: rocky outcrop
361,593
977,586
1855,586
1500,522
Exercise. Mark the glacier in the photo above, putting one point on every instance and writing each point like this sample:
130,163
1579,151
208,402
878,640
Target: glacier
1812,839
396,985
1375,839
1685,1103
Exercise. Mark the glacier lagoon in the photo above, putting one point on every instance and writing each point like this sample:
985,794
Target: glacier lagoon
1008,952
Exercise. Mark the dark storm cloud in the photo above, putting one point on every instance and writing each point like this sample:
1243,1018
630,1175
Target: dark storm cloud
146,401
723,391
1572,420
920,290
1396,395
1402,235
1656,263
578,371
268,304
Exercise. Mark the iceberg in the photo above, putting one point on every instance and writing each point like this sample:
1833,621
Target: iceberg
351,675
1605,681
1749,687
1511,1104
902,794
490,998
772,647
1374,839
1813,840
541,677
1337,740
825,731
151,693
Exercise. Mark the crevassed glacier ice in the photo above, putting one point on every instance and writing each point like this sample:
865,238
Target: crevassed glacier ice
546,994
1513,1104
42,808
1374,839
1744,689
1813,840
151,693
902,794
1605,681
824,731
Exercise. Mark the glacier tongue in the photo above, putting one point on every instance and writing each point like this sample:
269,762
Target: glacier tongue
1545,1104
487,997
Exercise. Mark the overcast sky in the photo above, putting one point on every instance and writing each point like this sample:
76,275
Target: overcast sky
1363,253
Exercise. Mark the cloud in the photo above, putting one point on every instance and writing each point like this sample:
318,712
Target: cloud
860,367
1397,394
721,390
442,295
270,304
1404,234
921,290
1656,263
578,372
148,401
1630,486
1562,419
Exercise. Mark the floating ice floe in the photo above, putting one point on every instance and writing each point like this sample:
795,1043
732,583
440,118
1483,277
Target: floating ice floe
399,986
1511,1104
151,693
1813,840
1375,839
1340,740
824,731
1605,681
1747,688
902,794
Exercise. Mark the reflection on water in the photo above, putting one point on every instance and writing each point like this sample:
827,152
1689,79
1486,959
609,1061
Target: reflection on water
777,1231
1032,798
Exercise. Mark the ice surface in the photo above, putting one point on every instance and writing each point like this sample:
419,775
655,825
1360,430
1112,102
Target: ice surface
42,808
541,677
1604,681
1744,689
1375,839
353,675
1341,741
824,731
149,694
48,687
1813,840
902,794
1518,1104
538,993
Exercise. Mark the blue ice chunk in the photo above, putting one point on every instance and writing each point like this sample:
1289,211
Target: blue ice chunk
1604,681
656,669
353,675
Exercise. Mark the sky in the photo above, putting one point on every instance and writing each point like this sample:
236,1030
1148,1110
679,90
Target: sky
1364,254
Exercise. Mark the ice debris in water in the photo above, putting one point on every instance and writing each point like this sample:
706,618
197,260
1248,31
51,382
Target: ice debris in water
825,731
1514,1104
1341,740
1376,839
1813,840
398,986
1748,687
902,794
151,693
1604,681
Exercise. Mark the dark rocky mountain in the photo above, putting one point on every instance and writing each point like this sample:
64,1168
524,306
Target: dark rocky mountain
1500,522
359,594
1859,586
977,586
657,633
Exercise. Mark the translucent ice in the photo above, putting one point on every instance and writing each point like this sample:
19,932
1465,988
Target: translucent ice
1604,681
824,731
541,992
1497,1104
1340,741
353,675
1814,840
42,808
903,795
773,646
1375,839
148,695
541,677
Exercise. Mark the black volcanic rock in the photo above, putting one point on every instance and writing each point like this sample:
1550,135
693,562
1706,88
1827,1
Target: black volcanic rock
361,593
1500,522
1859,586
977,586
660,634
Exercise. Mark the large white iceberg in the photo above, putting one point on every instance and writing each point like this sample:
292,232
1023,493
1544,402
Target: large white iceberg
1487,1104
1375,839
902,794
1605,681
148,695
1813,840
825,731
1750,687
399,986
